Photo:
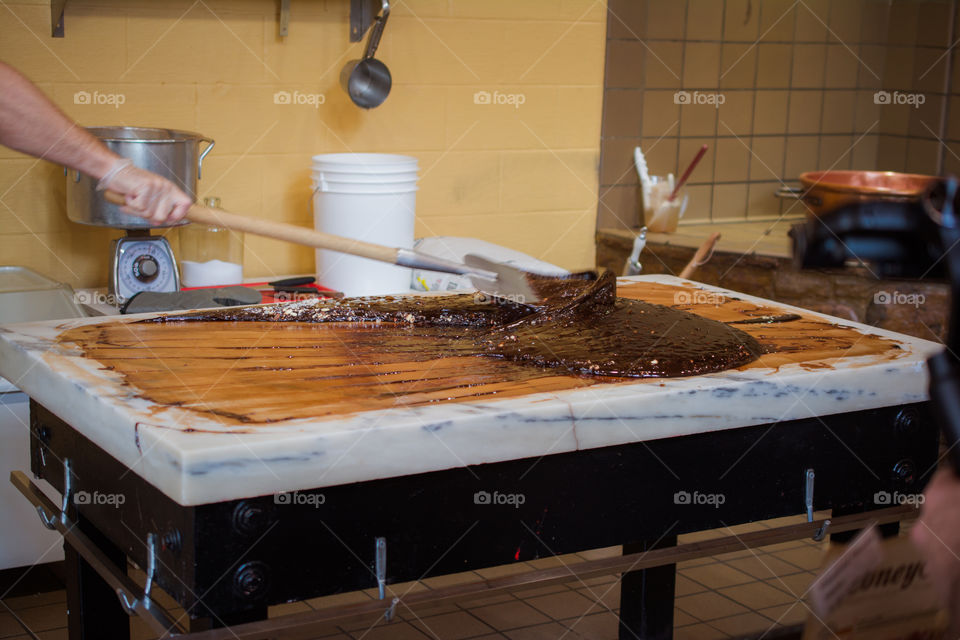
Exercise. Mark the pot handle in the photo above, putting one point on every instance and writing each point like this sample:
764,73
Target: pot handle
797,193
790,193
377,31
203,154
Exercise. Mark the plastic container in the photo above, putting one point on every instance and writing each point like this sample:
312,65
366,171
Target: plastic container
25,295
210,256
659,214
369,197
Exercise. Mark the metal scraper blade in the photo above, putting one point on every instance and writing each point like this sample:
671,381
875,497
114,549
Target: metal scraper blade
511,284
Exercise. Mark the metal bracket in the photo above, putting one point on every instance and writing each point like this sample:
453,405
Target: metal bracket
633,266
128,604
362,15
820,533
56,17
391,610
151,567
67,490
381,566
48,521
284,18
381,570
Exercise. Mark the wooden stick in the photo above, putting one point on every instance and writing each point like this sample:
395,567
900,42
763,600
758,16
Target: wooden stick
686,174
280,231
701,256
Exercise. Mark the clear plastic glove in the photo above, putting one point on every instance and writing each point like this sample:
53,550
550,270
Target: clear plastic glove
937,536
147,195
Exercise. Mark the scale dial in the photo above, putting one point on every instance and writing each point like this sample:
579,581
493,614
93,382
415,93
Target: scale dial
143,264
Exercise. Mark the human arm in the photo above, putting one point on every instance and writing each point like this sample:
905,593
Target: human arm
32,124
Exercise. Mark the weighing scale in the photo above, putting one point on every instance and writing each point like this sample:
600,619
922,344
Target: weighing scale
142,262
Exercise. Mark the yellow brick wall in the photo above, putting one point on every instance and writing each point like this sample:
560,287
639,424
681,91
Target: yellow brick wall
522,177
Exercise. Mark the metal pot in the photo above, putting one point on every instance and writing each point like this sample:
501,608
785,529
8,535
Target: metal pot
825,191
175,155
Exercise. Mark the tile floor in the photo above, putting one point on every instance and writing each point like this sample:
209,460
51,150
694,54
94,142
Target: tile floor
727,596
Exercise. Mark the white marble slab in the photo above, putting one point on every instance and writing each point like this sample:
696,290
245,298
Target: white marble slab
207,466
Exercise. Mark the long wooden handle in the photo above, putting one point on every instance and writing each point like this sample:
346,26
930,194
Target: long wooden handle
701,256
280,231
686,174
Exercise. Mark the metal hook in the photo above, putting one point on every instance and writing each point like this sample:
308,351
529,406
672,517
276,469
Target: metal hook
633,266
809,478
151,567
67,490
381,566
129,606
45,519
391,610
821,533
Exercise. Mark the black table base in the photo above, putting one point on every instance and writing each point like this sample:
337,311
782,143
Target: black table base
226,562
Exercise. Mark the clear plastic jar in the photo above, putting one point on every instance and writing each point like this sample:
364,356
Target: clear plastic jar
210,256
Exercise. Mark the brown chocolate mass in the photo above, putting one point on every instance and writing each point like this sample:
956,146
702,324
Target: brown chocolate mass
579,326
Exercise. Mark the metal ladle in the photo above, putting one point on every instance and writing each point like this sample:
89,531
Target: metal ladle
367,81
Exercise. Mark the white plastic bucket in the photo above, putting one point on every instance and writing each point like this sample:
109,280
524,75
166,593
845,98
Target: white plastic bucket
369,207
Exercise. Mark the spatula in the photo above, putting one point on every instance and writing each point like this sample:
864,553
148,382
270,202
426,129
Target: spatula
499,280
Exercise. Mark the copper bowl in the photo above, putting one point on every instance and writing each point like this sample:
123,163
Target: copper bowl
825,191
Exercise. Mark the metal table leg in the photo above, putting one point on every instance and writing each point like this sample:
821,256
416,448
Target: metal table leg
93,610
646,596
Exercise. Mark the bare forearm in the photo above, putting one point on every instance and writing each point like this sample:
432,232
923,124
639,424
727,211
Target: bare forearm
30,123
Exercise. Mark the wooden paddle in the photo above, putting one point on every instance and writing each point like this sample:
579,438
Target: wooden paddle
496,279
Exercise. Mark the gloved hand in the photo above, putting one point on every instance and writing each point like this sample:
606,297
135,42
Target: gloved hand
147,195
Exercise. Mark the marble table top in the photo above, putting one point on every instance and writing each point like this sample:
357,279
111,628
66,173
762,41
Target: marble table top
194,462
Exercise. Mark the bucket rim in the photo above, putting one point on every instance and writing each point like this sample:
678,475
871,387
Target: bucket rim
372,179
360,192
364,159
